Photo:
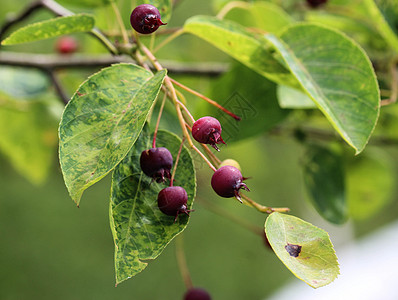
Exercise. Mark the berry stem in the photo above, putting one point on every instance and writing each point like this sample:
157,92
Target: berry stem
262,208
158,121
176,102
394,84
212,156
176,163
168,39
120,22
182,263
212,102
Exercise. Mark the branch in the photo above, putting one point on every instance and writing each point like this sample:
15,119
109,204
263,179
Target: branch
53,62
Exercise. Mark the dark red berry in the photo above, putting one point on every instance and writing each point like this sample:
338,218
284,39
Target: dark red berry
145,19
156,163
227,181
197,294
172,201
207,130
316,3
66,45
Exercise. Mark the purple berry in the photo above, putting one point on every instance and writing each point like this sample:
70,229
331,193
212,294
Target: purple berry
197,294
316,3
207,130
227,181
156,163
145,19
172,201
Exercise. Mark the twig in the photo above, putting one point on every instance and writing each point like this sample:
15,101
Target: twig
51,61
26,12
58,87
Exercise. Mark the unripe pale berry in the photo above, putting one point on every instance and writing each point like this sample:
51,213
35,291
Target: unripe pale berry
172,201
227,181
197,294
66,45
230,162
156,163
207,130
145,19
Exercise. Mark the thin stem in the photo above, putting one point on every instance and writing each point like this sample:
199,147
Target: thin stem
168,39
103,39
182,263
261,208
120,22
58,87
170,87
158,121
212,102
179,103
176,163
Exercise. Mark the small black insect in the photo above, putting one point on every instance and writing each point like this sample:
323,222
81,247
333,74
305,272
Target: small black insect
293,250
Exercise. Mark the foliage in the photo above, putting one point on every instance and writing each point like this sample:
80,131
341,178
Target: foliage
319,84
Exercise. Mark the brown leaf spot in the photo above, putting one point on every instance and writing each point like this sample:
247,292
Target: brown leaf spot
293,250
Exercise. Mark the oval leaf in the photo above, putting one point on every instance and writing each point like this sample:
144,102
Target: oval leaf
293,98
240,44
140,230
337,75
324,179
305,249
102,121
51,28
262,15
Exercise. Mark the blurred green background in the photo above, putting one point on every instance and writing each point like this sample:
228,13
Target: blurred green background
50,249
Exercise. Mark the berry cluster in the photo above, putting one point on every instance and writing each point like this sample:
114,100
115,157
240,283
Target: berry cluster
157,163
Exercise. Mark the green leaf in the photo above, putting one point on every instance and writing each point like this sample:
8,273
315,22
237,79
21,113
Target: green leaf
324,179
262,15
28,134
336,73
380,22
293,98
316,262
22,82
50,28
252,98
140,230
236,41
370,183
102,121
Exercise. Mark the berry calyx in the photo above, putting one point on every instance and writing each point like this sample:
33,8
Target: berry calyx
227,181
145,19
156,163
316,3
197,294
66,45
207,130
172,201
